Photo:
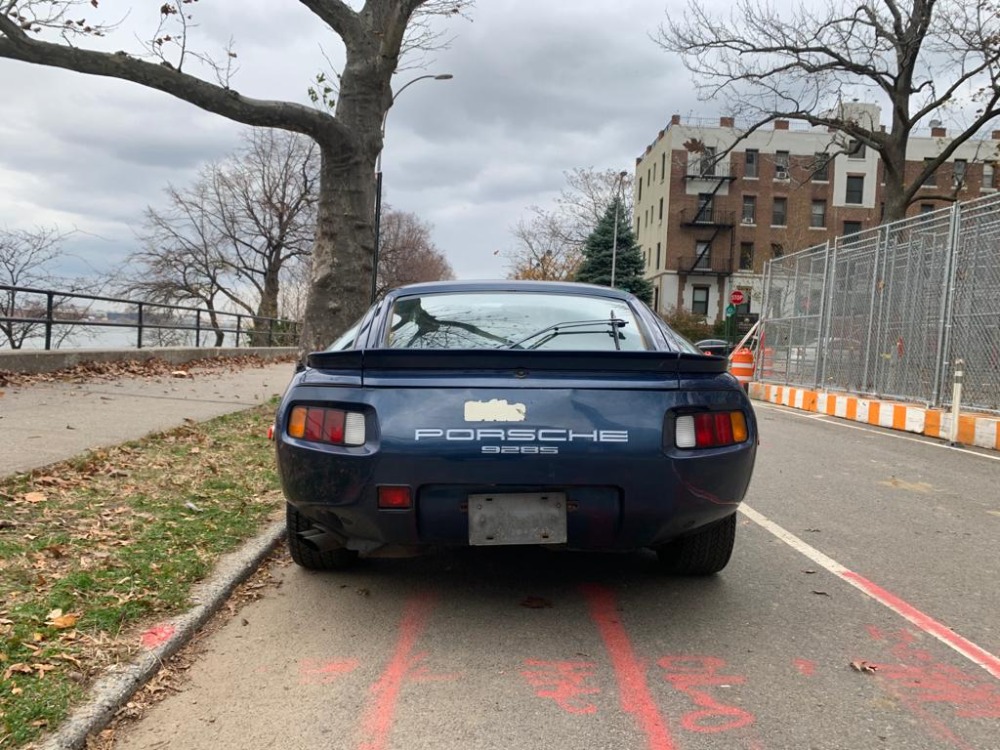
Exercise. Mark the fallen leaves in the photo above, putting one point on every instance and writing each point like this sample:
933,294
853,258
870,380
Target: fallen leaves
59,621
865,667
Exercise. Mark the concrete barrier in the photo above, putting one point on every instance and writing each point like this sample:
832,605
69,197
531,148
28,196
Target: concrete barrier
35,361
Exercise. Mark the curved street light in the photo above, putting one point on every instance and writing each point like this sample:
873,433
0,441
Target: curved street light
614,242
378,172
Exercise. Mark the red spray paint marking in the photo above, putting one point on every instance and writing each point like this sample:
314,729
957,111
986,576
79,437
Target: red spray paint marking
157,636
313,672
691,675
928,624
633,688
565,682
918,682
806,667
382,702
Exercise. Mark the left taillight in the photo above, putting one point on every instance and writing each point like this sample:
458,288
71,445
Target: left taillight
710,429
324,425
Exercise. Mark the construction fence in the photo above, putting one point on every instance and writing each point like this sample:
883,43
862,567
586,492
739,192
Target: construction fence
888,312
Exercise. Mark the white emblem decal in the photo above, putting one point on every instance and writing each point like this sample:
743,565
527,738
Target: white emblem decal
495,410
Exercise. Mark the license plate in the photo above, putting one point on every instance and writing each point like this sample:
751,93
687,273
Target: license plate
517,518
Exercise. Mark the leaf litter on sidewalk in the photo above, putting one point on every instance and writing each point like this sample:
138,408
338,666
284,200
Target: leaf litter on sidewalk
94,549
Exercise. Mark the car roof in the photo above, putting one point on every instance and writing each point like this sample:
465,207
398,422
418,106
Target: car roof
511,285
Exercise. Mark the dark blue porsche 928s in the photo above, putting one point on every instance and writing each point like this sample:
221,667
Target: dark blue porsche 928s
514,413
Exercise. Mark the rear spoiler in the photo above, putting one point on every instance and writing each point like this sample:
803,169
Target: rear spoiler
506,359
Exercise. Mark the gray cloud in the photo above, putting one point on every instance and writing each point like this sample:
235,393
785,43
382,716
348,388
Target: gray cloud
539,89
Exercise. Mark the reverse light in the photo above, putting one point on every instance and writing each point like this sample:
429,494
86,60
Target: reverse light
710,429
394,498
321,425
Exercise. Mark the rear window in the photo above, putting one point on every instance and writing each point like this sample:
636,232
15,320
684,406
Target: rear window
518,320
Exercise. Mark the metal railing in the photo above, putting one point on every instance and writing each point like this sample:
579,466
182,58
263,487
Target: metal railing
888,311
30,316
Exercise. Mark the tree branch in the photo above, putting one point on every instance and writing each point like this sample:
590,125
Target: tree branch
322,127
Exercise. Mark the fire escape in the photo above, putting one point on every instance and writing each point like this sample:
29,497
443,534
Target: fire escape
711,176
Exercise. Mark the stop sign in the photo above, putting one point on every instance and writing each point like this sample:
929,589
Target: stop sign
737,297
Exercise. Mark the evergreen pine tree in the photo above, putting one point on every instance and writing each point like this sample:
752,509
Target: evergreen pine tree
629,264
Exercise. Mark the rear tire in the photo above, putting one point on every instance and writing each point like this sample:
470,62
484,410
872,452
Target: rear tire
305,555
703,553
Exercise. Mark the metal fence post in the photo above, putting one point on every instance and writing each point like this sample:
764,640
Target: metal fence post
139,326
871,306
197,328
761,335
947,304
49,310
270,331
239,321
825,307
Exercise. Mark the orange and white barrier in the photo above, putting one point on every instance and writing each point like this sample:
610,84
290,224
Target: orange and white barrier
741,366
973,429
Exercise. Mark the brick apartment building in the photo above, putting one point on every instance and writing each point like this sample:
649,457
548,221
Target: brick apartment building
707,224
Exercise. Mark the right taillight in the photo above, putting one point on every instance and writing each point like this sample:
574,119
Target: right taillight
710,429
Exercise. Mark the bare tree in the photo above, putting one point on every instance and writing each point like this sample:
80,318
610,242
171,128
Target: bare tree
27,258
807,63
349,138
549,244
407,254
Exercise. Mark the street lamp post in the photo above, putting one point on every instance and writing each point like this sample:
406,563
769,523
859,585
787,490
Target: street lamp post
614,242
378,174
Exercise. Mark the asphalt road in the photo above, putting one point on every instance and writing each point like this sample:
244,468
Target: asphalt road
856,546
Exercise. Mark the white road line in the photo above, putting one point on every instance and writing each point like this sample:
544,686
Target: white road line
929,625
870,429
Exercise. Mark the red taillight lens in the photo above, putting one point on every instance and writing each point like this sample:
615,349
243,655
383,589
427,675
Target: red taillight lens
710,429
396,498
321,425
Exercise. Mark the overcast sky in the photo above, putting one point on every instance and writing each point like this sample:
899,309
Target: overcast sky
539,88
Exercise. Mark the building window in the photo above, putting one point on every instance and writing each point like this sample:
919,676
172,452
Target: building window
959,172
821,168
749,209
989,175
657,256
703,256
855,149
699,300
706,167
926,208
818,217
777,250
779,212
704,208
638,222
851,227
654,172
855,189
931,179
752,163
781,161
746,256
639,197
663,165
661,209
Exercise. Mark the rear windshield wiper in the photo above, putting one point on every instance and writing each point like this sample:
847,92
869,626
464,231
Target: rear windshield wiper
557,329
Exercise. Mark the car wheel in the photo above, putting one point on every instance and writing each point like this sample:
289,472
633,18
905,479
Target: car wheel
703,553
308,556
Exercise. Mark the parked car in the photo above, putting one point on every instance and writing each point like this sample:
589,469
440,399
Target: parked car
718,347
514,413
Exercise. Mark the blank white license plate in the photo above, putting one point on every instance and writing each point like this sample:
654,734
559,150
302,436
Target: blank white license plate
517,518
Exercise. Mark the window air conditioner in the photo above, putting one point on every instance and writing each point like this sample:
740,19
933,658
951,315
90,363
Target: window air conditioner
781,174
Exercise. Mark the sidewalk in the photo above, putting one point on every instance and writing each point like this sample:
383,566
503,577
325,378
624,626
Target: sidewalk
43,423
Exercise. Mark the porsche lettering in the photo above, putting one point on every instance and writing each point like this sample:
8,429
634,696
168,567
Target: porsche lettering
523,435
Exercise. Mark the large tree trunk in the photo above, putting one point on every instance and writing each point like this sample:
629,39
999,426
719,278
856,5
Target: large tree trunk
340,284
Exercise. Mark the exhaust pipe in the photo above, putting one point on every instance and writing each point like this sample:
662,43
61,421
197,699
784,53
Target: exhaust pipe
322,540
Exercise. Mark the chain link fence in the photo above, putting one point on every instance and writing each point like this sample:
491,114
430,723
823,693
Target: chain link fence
887,312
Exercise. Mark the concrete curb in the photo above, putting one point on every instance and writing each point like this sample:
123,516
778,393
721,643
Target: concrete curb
113,691
980,430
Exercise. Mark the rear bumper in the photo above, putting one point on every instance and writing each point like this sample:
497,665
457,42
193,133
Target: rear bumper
614,503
